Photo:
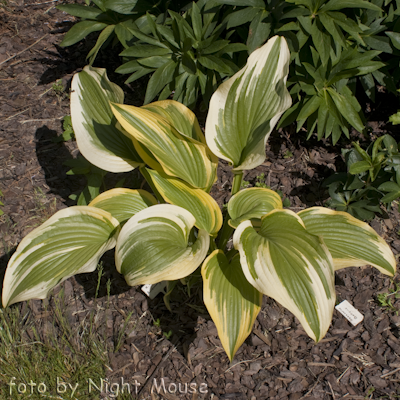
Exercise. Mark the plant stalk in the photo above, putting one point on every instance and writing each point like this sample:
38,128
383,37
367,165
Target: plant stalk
227,230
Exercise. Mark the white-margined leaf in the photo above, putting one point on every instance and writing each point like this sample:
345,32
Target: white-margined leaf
69,243
123,203
352,243
246,107
99,139
252,203
203,207
159,244
181,153
289,264
230,299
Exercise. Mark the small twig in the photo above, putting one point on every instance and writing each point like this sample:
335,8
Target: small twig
341,376
12,116
390,373
333,394
241,362
22,51
40,120
39,4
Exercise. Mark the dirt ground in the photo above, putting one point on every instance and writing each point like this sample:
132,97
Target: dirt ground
278,360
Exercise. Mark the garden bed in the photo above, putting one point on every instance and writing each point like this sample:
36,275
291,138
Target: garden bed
147,346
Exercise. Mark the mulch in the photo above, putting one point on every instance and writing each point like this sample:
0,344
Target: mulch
179,354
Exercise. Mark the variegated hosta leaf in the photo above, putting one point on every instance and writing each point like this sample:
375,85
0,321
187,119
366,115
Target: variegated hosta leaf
70,242
230,299
158,244
291,265
123,203
246,107
252,203
181,154
203,207
182,118
351,242
98,138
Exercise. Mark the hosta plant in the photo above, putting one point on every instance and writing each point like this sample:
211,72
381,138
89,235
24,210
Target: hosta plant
287,256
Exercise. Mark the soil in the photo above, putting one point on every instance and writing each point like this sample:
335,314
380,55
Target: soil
278,360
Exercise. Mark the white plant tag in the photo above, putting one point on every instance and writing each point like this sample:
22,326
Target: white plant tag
349,312
153,290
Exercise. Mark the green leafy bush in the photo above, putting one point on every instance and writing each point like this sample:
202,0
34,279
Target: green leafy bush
334,44
372,179
188,54
287,256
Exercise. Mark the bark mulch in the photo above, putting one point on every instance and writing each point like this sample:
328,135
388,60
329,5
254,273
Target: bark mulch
180,351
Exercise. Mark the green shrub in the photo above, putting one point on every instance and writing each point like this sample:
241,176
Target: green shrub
372,179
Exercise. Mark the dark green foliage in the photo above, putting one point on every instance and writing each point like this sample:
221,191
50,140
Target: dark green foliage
189,54
113,18
339,49
94,176
373,178
333,44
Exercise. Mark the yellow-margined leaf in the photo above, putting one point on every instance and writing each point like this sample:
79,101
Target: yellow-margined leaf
70,242
123,203
351,242
98,138
252,203
246,107
230,299
158,244
181,154
203,207
294,267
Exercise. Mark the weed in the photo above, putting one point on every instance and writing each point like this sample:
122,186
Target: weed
385,299
245,184
260,181
288,154
168,334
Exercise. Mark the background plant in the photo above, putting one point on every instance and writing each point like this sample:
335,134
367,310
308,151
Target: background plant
372,179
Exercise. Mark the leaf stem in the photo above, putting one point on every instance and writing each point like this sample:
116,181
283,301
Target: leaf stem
227,230
237,181
148,179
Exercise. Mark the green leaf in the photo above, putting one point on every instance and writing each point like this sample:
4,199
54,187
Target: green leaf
157,244
347,110
395,118
196,21
395,38
80,30
104,35
340,4
286,262
145,50
359,167
214,63
252,203
81,11
351,242
232,302
123,203
161,77
98,138
246,107
69,243
124,7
